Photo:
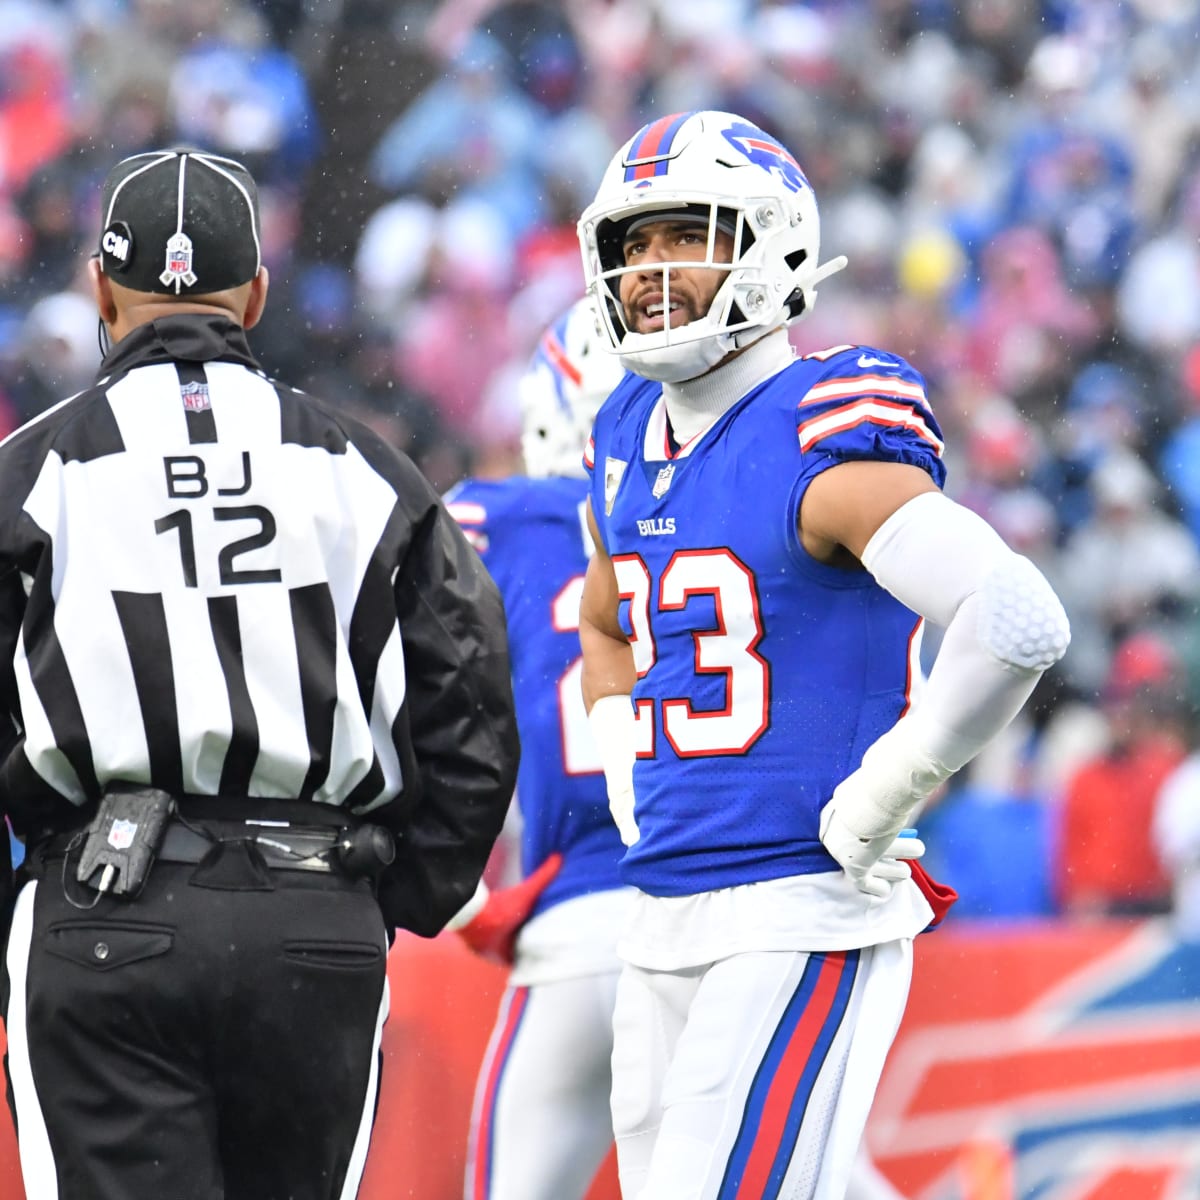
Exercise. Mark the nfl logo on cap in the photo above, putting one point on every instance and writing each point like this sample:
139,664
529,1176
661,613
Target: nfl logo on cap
179,263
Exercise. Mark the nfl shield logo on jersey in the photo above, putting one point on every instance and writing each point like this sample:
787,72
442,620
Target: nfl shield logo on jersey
120,836
614,471
195,397
663,481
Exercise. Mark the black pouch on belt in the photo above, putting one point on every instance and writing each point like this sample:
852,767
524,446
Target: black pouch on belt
123,839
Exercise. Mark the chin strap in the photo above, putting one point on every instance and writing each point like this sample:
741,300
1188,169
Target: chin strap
677,363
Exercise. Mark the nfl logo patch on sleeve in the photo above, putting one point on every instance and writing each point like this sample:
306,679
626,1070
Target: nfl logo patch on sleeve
614,471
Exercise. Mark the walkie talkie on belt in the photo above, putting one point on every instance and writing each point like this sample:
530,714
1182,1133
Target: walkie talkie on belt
123,839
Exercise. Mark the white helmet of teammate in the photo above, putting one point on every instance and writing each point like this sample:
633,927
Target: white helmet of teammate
720,169
569,376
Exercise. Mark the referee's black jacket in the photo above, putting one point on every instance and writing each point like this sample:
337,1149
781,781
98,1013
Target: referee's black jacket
215,584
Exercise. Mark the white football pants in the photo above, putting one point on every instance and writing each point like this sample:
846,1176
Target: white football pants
752,1078
540,1125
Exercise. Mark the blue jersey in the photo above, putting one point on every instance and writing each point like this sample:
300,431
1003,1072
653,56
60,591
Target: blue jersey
763,674
530,534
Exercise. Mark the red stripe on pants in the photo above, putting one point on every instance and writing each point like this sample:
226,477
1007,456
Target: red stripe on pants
483,1137
787,1079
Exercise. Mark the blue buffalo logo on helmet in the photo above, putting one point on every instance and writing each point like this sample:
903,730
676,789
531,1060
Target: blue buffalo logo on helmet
764,151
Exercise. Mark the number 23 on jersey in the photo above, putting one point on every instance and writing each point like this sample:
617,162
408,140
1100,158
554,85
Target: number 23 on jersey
728,648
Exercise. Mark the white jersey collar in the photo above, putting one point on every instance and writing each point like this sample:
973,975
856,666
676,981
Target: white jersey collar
693,405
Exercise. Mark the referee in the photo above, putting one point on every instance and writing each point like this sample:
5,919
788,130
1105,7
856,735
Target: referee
258,717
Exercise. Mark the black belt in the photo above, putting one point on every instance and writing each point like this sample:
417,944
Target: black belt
282,846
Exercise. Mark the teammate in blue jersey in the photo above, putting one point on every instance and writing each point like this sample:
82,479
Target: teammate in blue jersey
771,535
540,1125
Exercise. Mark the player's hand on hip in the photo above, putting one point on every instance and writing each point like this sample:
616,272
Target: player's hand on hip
874,864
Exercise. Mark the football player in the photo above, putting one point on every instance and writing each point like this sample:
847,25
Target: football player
771,535
547,1065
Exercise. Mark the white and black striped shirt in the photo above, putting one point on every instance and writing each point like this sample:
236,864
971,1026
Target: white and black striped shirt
215,584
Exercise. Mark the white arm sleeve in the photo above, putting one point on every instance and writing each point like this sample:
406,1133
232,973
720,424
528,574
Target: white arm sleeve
612,724
1004,627
1004,624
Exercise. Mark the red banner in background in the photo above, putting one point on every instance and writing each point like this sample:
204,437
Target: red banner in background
1046,1062
1034,1063
444,1002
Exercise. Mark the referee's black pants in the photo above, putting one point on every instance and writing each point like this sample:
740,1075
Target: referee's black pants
195,1043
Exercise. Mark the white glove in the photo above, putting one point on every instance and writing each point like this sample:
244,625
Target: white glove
869,808
875,865
611,720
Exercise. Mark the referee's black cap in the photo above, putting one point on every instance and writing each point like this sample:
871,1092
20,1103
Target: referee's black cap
179,222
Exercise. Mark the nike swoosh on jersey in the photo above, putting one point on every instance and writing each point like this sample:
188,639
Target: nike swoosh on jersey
865,360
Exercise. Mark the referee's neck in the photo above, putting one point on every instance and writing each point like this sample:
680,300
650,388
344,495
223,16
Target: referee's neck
123,310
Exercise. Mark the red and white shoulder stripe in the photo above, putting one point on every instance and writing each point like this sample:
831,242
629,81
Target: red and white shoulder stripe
878,399
589,454
472,517
467,512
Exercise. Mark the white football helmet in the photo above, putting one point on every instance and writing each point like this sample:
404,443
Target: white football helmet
718,167
569,376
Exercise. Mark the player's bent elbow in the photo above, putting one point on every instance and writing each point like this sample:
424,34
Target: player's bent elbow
1021,620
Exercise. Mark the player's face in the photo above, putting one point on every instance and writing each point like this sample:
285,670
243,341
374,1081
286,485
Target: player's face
692,288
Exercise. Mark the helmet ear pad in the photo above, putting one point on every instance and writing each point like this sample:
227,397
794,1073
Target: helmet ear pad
796,303
714,166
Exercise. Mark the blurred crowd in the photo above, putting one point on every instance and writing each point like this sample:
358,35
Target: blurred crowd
1015,182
